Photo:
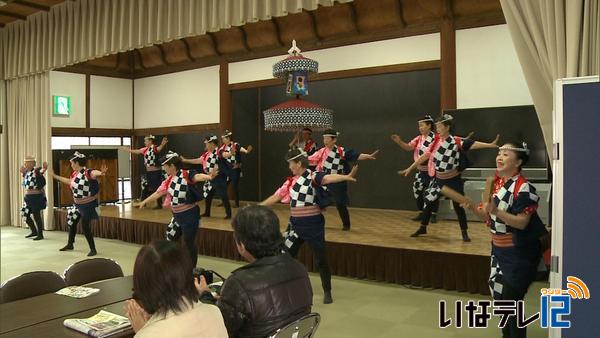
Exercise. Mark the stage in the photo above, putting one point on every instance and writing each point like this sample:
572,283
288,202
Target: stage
377,248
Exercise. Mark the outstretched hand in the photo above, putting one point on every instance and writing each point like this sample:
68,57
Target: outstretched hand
164,141
249,149
404,172
103,169
495,141
45,165
396,138
372,156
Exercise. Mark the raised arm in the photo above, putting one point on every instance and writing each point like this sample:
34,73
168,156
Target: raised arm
101,172
483,145
292,144
396,138
133,151
422,159
156,195
163,143
335,178
272,200
246,150
203,177
371,156
191,160
61,179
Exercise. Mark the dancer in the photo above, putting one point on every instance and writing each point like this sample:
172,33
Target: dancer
303,192
303,140
232,152
516,230
333,159
34,199
418,146
182,195
153,175
448,163
85,188
210,160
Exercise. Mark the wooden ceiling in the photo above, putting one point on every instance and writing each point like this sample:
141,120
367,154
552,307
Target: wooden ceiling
12,10
341,24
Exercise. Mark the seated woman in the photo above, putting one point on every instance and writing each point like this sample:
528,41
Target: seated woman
165,299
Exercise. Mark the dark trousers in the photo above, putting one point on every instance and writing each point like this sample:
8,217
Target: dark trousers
511,330
320,255
234,180
189,239
219,188
339,193
421,203
460,213
87,232
39,221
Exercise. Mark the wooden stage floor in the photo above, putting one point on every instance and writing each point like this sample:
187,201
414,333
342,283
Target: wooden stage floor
381,228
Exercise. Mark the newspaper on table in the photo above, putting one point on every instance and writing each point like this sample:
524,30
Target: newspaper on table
102,324
77,291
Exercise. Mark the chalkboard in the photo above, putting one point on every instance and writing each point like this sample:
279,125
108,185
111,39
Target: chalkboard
514,124
367,110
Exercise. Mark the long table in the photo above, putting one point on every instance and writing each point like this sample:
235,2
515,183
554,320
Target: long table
50,308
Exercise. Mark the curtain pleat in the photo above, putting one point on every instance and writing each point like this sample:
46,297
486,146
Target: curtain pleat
77,31
553,39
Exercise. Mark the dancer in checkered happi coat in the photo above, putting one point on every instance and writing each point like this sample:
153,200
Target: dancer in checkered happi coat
85,188
418,146
516,230
34,199
448,163
212,161
334,159
307,223
232,153
153,175
182,194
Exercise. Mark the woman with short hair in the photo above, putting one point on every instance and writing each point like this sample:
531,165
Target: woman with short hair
165,299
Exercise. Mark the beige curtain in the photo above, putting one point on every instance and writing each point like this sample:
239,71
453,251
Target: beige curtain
553,39
26,132
76,31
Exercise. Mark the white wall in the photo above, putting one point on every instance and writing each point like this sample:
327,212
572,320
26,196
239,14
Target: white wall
488,73
178,99
73,85
371,54
111,103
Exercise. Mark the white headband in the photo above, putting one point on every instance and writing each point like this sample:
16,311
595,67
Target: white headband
302,154
169,156
77,155
524,149
337,133
211,139
427,118
149,137
445,118
227,133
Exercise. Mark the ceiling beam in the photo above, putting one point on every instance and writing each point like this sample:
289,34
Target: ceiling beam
13,15
33,5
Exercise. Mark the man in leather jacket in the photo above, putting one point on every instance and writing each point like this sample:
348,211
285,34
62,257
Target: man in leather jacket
271,291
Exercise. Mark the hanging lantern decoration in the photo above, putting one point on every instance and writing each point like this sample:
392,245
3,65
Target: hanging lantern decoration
296,113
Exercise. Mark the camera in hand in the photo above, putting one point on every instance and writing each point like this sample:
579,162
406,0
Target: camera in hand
207,274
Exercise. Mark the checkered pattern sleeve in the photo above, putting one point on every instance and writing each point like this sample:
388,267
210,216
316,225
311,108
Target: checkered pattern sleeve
350,155
526,200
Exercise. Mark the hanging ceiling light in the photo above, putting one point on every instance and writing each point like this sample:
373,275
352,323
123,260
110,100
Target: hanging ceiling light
297,113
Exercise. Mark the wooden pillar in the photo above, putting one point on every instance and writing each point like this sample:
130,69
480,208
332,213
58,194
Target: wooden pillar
225,113
448,64
87,100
